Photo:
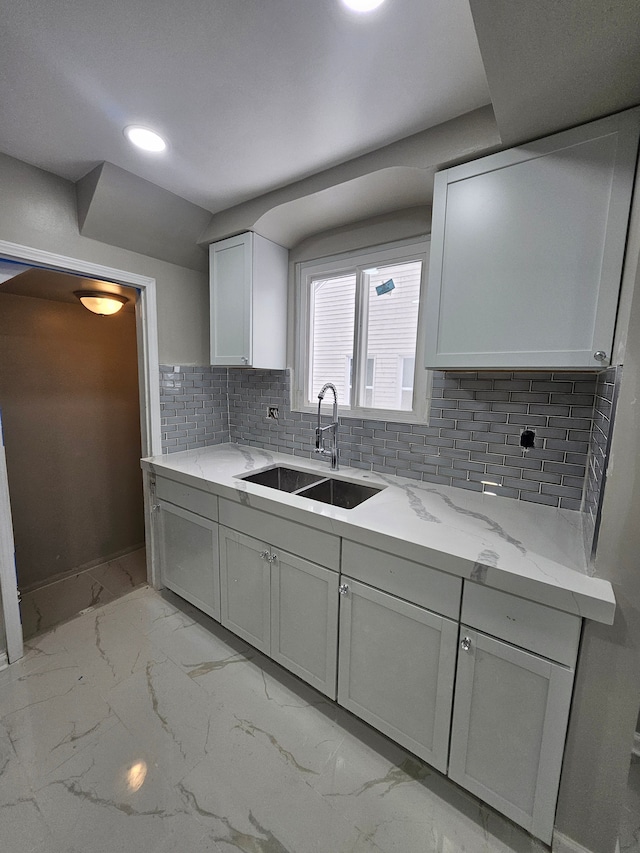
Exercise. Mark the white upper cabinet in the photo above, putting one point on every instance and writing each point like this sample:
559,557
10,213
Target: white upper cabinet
527,248
248,302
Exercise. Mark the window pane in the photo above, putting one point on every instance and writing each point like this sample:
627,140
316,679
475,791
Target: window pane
392,331
333,303
408,368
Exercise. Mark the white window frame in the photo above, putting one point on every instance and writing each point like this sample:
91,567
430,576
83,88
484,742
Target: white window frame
356,262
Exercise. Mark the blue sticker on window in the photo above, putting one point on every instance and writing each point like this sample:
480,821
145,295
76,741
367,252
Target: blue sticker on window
385,287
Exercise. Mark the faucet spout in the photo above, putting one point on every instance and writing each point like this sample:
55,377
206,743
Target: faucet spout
332,428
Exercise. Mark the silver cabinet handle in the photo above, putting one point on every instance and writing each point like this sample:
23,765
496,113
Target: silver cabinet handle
265,555
244,359
465,644
600,355
343,589
272,558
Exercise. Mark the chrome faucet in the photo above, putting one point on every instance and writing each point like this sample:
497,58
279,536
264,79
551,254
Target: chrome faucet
332,428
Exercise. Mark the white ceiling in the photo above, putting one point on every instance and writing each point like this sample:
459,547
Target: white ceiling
251,94
554,65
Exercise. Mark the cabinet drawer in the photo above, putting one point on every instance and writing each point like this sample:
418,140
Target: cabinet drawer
544,630
415,582
187,497
314,545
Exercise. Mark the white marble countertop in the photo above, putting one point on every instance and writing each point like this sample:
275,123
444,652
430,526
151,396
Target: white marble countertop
526,549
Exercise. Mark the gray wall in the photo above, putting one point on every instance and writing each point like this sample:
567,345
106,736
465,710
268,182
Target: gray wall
607,692
71,420
3,638
39,210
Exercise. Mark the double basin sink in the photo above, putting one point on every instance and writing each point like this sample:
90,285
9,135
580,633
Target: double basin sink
327,490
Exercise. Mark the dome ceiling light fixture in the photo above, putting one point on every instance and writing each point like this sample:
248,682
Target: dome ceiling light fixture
362,5
144,138
101,303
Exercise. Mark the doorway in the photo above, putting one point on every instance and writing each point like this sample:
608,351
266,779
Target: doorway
149,415
71,425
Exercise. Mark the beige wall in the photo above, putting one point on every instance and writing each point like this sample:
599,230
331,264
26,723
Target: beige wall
71,419
39,210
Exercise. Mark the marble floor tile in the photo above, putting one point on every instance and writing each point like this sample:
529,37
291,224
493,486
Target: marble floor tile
50,605
22,824
51,715
123,574
166,712
107,647
116,798
40,653
262,803
144,726
152,613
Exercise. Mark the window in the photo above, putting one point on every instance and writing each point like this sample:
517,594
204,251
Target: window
407,370
359,327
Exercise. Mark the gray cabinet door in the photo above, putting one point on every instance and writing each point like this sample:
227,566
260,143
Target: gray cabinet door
189,557
509,724
527,251
396,669
244,587
304,620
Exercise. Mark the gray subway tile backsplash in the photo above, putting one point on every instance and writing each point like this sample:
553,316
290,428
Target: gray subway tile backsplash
603,415
473,433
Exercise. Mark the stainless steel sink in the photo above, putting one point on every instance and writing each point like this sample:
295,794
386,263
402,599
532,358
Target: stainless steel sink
283,479
328,490
339,493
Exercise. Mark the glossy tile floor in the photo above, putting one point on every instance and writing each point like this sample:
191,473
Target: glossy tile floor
144,726
56,602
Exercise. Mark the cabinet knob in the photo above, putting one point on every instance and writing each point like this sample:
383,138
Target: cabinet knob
465,644
272,558
600,355
244,359
265,555
343,589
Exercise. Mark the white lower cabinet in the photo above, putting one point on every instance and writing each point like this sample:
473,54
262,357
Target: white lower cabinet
510,718
282,604
396,668
188,549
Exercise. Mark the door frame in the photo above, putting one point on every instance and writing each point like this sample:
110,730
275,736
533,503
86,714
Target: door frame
149,389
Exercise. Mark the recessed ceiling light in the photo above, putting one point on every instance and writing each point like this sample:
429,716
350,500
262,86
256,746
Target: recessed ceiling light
144,138
363,5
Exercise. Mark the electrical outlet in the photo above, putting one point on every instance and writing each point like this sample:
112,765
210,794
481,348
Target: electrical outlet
272,413
528,438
